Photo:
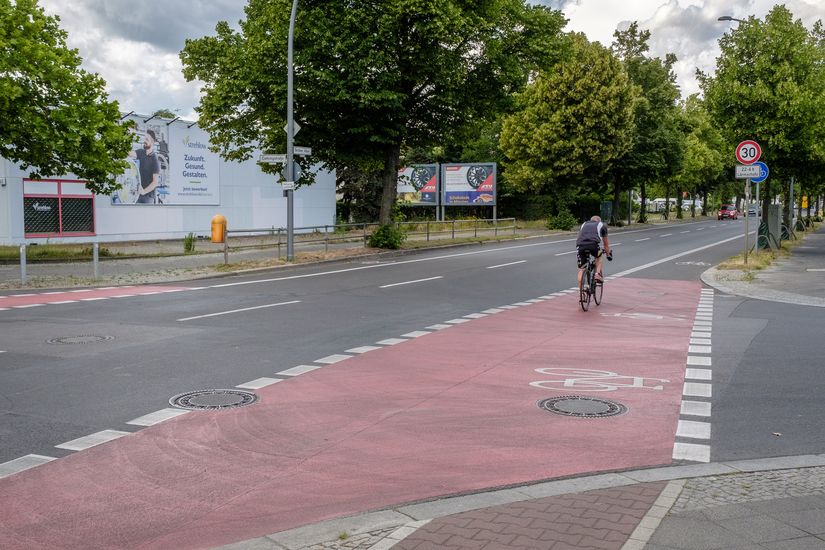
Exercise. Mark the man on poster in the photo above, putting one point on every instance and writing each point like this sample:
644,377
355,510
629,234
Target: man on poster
149,168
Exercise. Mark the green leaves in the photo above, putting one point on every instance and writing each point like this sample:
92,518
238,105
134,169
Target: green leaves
768,87
571,123
57,117
370,77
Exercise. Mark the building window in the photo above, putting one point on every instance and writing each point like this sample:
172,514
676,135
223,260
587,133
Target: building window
57,208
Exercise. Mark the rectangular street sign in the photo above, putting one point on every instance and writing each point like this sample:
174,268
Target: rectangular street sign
747,171
288,185
272,159
302,151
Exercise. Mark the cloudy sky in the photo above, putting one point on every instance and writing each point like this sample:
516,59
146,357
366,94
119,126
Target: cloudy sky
134,46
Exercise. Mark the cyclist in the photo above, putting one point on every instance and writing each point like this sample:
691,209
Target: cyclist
592,240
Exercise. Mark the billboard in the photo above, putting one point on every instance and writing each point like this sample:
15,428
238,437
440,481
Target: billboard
169,164
473,184
418,185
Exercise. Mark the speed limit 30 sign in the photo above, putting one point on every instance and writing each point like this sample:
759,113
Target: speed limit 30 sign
748,152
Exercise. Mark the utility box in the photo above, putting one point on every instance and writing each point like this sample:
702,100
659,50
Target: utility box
774,222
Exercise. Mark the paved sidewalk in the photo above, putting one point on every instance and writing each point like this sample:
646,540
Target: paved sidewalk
768,503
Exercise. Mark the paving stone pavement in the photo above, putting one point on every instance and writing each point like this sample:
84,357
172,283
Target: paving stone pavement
601,519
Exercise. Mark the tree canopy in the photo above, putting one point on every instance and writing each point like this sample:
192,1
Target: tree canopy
571,123
57,118
768,87
371,77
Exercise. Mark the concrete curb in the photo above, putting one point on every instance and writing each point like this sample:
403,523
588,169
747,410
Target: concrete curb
715,278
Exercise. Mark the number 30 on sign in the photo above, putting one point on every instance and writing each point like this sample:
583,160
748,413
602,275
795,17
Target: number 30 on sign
748,152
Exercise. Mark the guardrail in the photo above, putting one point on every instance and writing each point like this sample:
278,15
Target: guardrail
330,235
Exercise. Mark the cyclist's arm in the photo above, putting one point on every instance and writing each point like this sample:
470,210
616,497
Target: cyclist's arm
606,244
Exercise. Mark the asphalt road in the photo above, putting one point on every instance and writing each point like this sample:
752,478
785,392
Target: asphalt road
224,332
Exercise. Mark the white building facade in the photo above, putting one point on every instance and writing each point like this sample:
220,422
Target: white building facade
192,185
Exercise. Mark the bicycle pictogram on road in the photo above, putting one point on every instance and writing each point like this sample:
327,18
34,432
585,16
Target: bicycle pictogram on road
565,379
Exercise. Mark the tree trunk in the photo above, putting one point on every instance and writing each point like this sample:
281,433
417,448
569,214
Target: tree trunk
643,209
614,215
766,202
679,215
693,205
705,203
389,180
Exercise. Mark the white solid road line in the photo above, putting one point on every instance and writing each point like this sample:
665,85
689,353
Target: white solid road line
679,255
412,282
505,265
238,310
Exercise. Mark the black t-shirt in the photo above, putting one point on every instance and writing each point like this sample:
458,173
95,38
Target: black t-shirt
591,233
149,165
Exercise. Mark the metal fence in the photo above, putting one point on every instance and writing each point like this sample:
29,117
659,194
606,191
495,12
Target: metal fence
316,236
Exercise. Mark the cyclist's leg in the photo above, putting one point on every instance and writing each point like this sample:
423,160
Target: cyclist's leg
599,262
581,260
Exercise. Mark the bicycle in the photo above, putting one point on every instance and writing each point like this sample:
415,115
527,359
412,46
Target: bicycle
590,288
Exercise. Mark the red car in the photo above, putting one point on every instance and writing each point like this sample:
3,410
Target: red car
727,211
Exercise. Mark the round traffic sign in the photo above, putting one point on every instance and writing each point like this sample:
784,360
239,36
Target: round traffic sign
763,172
748,152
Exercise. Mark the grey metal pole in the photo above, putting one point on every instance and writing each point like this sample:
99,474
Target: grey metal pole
747,202
791,209
290,131
96,259
757,209
23,264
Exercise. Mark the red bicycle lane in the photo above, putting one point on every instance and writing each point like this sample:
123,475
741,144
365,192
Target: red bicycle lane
450,412
82,295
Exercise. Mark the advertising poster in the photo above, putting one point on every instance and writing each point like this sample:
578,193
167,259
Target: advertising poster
473,184
418,185
169,164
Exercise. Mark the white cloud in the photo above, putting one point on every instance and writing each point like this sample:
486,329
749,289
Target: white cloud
135,46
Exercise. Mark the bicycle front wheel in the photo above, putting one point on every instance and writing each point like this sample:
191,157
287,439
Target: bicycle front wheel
598,289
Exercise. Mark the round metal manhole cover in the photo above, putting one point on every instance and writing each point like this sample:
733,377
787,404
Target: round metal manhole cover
581,406
82,339
213,399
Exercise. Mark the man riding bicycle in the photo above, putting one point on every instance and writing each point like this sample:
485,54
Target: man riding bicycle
592,240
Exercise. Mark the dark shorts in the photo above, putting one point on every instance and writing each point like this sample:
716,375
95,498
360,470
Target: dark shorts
584,250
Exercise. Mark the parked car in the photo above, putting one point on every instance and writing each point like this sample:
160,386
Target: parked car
727,211
752,211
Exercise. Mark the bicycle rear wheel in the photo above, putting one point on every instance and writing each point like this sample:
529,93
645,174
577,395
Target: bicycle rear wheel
584,291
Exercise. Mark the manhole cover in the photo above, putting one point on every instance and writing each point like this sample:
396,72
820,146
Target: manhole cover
82,339
582,407
213,399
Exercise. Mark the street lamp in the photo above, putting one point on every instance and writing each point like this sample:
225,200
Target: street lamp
290,146
729,18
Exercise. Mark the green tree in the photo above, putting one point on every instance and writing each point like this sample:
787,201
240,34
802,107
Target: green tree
56,117
372,77
704,155
659,133
570,125
768,87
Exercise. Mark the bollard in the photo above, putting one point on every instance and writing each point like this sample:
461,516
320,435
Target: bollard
95,259
23,265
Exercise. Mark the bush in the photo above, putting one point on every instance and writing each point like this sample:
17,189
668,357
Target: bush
564,221
189,243
619,223
387,236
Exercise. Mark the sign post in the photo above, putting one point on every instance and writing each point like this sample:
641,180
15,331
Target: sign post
748,152
763,175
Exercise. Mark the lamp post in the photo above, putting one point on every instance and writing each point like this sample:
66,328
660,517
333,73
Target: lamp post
729,18
290,146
